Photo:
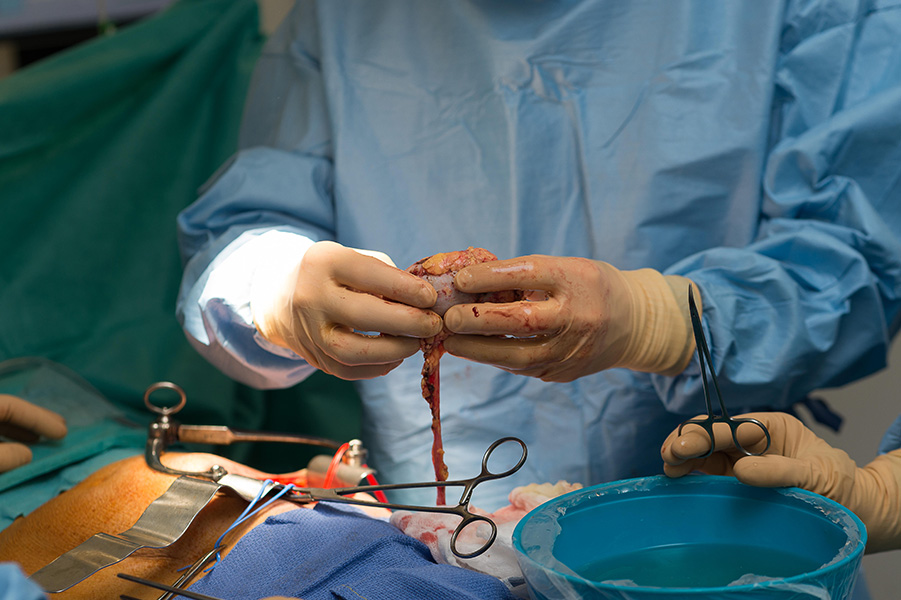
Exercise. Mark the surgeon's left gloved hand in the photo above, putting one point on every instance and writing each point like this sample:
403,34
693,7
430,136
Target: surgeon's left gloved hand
324,303
26,423
583,316
797,457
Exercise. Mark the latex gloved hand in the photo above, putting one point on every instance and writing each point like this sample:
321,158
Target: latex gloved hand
26,423
319,305
797,457
582,316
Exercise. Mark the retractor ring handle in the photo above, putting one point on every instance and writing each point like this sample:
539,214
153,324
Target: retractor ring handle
165,410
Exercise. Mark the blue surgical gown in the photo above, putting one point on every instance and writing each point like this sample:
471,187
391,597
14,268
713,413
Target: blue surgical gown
892,438
15,586
753,147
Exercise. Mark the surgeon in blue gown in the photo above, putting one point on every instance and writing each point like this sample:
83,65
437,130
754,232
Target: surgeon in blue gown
609,153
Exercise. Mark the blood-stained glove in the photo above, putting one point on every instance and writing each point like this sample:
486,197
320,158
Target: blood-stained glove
325,305
26,423
581,316
797,457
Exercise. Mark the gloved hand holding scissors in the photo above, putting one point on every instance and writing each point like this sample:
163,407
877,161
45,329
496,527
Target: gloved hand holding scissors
26,423
797,457
583,316
318,305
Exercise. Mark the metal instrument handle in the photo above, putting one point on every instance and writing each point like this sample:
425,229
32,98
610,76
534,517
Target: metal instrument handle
707,423
461,509
165,431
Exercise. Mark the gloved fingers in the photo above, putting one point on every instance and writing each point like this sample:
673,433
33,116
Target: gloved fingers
692,443
518,319
519,355
718,463
376,254
357,373
684,453
751,437
541,357
13,455
19,434
368,274
523,273
347,372
679,470
356,349
790,437
29,417
775,470
364,312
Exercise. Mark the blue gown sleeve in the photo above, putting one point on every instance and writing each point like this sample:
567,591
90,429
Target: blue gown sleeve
813,301
250,210
892,438
15,586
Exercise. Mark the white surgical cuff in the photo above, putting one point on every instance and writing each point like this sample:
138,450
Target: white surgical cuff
278,255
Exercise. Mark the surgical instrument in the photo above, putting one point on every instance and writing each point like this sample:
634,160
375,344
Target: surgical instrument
165,430
461,509
167,517
190,572
707,423
164,587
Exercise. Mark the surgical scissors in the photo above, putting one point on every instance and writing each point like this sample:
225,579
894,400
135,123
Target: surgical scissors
707,423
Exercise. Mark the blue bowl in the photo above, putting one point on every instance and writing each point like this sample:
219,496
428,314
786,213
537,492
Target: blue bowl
699,536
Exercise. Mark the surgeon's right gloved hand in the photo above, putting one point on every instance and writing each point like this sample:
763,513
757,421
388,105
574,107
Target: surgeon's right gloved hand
25,423
582,316
323,305
797,457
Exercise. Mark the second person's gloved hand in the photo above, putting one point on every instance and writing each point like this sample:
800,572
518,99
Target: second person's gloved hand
797,457
26,423
588,316
320,306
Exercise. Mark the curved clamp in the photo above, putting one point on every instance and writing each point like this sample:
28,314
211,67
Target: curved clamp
164,431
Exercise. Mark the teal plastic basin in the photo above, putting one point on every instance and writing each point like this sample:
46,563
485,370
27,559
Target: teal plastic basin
695,537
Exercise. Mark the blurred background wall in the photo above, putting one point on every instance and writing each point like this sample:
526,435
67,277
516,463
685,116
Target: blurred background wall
34,29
